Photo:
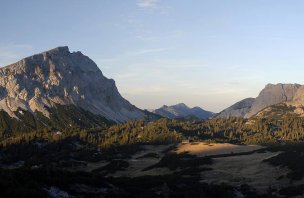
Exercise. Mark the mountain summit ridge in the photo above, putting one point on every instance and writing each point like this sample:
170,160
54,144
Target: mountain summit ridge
181,110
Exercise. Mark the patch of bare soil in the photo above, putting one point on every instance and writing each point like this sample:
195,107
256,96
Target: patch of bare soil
144,159
94,165
239,169
147,156
234,170
247,169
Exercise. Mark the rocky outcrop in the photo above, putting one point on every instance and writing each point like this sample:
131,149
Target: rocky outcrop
239,109
60,77
273,94
298,98
182,111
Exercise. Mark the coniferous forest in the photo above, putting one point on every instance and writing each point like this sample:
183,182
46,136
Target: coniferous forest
43,152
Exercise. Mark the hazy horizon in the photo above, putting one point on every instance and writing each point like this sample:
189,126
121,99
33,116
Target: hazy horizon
208,53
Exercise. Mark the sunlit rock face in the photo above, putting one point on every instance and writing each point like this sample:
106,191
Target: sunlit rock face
273,94
58,76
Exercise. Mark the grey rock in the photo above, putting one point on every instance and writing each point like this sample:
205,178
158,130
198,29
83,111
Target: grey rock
273,94
58,76
298,98
239,109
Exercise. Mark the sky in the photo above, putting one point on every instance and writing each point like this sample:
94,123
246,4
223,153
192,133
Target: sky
207,53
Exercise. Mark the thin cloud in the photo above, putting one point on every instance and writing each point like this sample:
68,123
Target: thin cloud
234,83
148,38
148,89
147,51
127,76
147,3
102,61
106,60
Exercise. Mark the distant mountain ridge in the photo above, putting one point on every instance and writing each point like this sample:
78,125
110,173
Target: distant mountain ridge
182,111
59,77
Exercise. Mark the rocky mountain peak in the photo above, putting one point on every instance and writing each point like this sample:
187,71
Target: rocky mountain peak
59,51
58,76
181,105
272,94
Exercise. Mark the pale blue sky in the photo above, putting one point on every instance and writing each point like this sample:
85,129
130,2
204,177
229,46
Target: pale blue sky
208,53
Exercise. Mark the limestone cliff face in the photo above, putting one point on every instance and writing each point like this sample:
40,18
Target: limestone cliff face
298,99
273,94
60,77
